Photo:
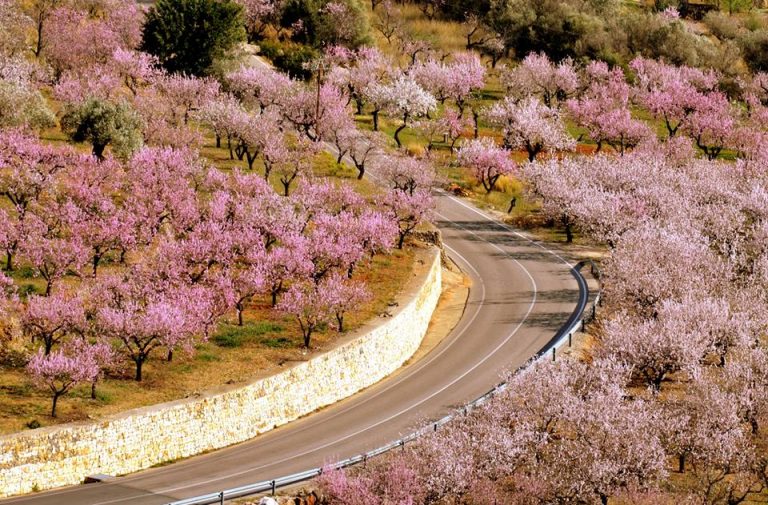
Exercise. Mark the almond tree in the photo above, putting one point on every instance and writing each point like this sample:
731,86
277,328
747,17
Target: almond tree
138,314
530,125
259,87
28,172
59,373
486,161
52,319
344,295
538,76
364,147
672,93
308,304
603,110
406,100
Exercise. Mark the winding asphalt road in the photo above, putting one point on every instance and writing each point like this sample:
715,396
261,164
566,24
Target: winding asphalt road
521,294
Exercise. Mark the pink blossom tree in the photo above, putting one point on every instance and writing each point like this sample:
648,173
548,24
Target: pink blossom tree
408,210
672,93
52,319
309,305
28,172
51,248
603,110
136,69
658,347
538,76
259,15
316,113
364,147
260,88
406,173
406,100
530,125
101,352
222,116
486,161
298,163
344,295
16,25
144,319
712,124
684,266
286,264
449,126
76,39
59,373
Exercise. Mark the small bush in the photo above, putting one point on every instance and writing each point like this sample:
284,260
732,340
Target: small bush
290,57
722,26
754,45
33,424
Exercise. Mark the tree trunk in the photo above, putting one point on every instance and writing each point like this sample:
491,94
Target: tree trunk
9,262
340,320
568,233
170,355
239,307
250,159
681,463
139,365
375,116
98,151
55,401
218,141
96,260
397,134
93,390
39,45
360,171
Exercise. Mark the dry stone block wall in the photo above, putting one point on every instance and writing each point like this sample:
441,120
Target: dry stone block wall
50,457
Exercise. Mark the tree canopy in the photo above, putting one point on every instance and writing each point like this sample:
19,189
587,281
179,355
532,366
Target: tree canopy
189,36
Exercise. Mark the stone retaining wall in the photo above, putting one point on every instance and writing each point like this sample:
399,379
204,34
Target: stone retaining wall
61,455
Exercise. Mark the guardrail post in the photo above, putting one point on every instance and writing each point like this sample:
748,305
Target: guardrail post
554,350
273,488
221,498
402,444
570,340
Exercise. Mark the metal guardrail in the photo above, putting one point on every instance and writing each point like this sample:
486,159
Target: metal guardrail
575,322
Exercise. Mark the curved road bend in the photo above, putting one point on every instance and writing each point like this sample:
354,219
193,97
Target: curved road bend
521,295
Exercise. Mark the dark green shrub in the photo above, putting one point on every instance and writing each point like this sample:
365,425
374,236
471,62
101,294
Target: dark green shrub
189,36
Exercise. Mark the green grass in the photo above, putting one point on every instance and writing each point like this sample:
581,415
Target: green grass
230,335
